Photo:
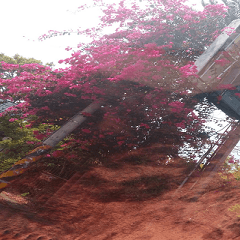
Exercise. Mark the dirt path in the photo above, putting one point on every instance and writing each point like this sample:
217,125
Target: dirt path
127,200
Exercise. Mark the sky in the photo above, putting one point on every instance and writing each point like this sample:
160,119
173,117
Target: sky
24,21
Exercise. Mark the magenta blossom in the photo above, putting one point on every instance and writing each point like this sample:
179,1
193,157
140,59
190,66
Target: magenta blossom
13,119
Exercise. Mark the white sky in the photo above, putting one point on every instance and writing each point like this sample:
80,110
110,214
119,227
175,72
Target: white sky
23,21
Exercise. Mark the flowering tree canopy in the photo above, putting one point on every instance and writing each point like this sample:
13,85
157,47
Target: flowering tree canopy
18,134
142,71
233,11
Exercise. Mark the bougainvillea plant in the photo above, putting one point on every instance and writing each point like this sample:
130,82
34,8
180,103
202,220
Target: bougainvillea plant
19,134
143,72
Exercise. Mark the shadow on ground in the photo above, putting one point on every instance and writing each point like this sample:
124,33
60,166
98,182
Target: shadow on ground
137,189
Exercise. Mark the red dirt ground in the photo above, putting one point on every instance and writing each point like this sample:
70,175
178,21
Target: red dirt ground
132,197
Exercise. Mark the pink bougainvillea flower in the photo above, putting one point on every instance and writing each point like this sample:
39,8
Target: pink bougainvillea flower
177,110
180,125
231,160
120,143
57,154
40,136
84,148
71,156
110,133
46,108
86,130
176,104
70,94
65,145
13,119
85,97
117,120
68,48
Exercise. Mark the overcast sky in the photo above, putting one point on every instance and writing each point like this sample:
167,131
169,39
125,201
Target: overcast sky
22,22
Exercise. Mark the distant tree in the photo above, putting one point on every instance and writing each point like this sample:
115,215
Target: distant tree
18,133
17,60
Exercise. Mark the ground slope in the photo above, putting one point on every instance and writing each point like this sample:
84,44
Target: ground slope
133,196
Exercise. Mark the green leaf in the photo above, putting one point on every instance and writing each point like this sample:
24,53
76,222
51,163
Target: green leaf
25,194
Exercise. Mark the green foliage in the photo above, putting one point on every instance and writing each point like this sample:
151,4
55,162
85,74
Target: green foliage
23,134
230,169
23,138
235,208
25,194
17,59
231,165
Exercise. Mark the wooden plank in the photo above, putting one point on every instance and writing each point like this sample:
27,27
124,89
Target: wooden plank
216,46
216,64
